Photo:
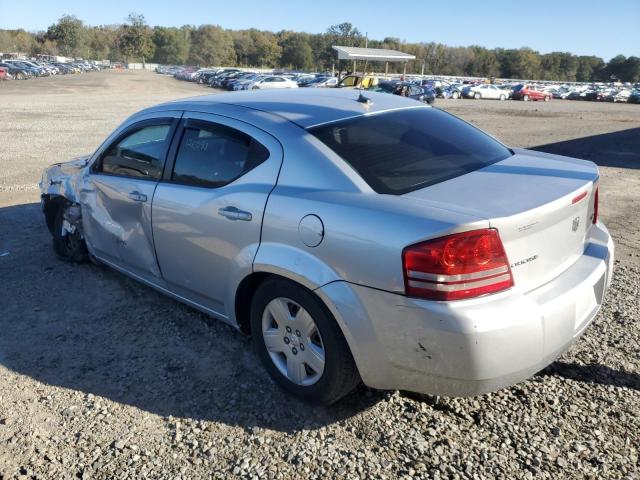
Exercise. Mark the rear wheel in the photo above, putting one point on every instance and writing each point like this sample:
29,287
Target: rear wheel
525,98
546,99
502,97
300,343
68,242
20,76
455,95
477,96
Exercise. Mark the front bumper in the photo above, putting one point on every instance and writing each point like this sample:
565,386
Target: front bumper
470,347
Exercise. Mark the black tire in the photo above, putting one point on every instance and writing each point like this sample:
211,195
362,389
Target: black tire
340,374
20,76
477,96
69,247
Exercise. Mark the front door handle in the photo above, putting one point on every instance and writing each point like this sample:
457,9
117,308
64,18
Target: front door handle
137,196
232,213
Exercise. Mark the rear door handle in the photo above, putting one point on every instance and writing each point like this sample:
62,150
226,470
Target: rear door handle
137,196
232,213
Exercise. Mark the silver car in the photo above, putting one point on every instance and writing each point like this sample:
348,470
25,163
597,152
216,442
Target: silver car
371,239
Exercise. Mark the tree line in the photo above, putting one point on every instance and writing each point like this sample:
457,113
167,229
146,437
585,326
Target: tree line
212,45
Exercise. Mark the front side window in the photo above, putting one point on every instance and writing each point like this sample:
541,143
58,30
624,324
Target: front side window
405,150
140,154
213,155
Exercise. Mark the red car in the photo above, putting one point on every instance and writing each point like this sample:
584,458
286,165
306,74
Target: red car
4,73
528,92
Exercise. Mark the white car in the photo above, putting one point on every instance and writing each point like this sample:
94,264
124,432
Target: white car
273,81
323,82
485,91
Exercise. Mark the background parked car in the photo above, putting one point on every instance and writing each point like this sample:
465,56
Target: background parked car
528,92
409,90
484,91
322,82
274,81
358,81
16,72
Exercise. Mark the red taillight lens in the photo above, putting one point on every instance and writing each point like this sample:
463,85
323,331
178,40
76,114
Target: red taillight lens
595,205
455,267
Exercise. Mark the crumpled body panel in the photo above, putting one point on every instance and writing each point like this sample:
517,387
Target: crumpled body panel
113,227
65,179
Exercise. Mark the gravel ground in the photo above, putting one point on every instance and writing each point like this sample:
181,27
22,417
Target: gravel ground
101,377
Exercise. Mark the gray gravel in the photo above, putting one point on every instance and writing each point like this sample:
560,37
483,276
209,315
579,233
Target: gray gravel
101,377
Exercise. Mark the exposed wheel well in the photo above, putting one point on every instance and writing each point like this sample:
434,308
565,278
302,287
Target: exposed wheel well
244,296
51,205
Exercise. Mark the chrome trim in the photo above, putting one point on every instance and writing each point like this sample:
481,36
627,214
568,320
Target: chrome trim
432,277
455,287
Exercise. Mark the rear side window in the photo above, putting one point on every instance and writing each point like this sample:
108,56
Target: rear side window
214,155
139,154
405,150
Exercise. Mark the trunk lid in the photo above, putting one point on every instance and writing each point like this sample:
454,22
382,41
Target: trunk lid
541,204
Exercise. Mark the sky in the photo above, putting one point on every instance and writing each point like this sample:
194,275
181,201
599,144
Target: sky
583,27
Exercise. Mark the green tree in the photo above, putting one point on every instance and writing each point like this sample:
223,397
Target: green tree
211,45
296,52
69,34
134,39
266,50
16,41
483,63
171,45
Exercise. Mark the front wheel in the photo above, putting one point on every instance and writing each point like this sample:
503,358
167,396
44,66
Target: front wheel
546,99
477,96
68,241
455,95
525,98
300,344
502,97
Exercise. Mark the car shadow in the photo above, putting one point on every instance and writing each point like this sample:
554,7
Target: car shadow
593,373
619,149
93,330
90,329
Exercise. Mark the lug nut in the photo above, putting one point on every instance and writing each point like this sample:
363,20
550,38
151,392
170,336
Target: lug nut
286,340
298,333
288,329
301,347
294,350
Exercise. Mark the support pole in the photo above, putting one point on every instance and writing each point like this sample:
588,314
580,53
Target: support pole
354,67
386,68
404,71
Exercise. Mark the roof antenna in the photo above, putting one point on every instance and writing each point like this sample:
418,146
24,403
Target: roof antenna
363,99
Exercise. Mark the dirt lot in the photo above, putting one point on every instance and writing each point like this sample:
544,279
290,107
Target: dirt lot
101,377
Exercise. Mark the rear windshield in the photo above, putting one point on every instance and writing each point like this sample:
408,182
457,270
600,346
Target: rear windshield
405,150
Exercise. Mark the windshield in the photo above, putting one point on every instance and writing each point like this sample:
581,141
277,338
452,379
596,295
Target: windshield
405,150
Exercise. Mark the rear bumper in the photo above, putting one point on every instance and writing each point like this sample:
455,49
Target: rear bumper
474,346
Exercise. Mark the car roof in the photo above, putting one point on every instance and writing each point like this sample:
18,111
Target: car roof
304,107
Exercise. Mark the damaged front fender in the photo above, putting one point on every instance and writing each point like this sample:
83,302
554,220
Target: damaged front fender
65,179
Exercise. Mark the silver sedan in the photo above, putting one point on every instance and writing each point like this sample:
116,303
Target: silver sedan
371,239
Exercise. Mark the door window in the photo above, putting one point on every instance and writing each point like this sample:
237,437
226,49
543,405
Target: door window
214,155
139,154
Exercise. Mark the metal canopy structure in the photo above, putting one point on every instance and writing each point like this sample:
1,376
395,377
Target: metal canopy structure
372,54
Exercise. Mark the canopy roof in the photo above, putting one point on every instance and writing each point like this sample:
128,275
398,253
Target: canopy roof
372,54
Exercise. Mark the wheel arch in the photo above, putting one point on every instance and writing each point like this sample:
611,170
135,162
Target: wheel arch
51,203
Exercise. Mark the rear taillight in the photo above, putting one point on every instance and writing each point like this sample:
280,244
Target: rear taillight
595,205
456,267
